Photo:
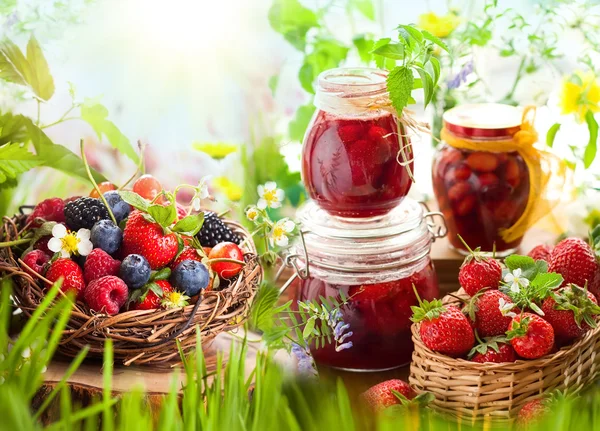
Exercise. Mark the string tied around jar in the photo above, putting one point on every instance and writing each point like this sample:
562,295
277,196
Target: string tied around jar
547,173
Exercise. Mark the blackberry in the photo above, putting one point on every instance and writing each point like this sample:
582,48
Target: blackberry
214,231
84,213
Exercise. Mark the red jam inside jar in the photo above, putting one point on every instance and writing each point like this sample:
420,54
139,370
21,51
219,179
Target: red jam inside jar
375,265
480,193
355,161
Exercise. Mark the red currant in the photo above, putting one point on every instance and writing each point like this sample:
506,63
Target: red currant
147,187
104,187
226,250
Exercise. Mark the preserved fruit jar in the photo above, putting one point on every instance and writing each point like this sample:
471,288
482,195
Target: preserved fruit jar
482,178
356,158
376,266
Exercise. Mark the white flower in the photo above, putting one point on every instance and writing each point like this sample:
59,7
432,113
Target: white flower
270,196
281,229
68,243
516,281
252,213
505,308
201,193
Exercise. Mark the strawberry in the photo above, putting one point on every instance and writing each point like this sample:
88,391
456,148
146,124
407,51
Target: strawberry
495,349
571,312
71,274
478,272
49,210
532,412
382,395
575,260
530,335
99,264
541,252
491,312
444,329
487,179
188,253
152,295
148,239
36,260
106,294
350,131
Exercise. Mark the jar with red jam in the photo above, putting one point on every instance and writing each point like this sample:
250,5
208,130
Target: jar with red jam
376,266
356,157
481,192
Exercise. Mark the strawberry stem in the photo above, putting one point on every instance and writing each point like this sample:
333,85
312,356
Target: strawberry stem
15,242
91,177
465,244
139,166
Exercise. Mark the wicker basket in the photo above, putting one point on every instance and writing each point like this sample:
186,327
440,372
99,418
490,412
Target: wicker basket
473,391
140,336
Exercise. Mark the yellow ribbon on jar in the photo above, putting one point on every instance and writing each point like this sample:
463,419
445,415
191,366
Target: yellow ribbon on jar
547,173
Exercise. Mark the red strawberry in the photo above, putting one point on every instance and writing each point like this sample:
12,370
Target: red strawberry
541,252
495,349
444,329
99,264
148,239
488,318
36,260
532,411
50,210
574,259
151,298
478,272
571,312
531,336
350,131
106,294
188,253
594,285
71,274
381,396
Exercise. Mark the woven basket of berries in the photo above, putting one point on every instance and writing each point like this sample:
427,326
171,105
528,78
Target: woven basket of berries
144,270
512,333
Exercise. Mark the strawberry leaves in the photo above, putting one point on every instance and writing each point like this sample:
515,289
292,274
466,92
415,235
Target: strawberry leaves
426,310
486,344
576,300
189,225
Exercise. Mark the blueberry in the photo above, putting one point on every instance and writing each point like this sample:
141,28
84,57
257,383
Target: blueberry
190,276
135,271
107,236
119,207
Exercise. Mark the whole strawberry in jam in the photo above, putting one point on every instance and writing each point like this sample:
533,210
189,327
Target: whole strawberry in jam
382,395
71,274
444,329
491,311
574,259
495,349
541,252
153,295
49,210
571,311
148,239
531,336
478,272
377,305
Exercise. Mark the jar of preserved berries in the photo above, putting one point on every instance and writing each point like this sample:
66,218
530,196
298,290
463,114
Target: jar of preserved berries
490,181
357,159
375,266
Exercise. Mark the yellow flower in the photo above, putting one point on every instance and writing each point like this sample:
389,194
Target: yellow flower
440,26
228,188
580,93
175,300
217,150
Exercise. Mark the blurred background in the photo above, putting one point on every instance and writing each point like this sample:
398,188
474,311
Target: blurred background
225,88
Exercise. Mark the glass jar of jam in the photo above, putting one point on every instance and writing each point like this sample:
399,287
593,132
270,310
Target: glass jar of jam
479,191
375,265
356,159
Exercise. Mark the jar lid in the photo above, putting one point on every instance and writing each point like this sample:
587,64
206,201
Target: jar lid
483,120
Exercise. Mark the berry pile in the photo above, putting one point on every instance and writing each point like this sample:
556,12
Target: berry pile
131,249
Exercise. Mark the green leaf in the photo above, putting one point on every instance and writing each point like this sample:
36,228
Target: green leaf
161,274
163,215
427,82
299,124
14,160
12,128
547,280
517,261
95,115
309,327
435,65
293,21
365,7
552,134
134,200
306,77
408,31
12,63
591,148
364,44
399,85
390,50
273,81
262,309
436,40
189,225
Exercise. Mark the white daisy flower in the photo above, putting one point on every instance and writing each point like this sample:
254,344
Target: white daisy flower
68,243
505,308
270,196
515,280
252,213
281,230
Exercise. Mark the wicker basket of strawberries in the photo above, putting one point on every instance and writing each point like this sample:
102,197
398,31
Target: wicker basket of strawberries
512,333
144,270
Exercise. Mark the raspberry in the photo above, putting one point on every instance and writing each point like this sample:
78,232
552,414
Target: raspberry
71,274
99,264
84,213
42,244
107,294
214,231
36,260
49,210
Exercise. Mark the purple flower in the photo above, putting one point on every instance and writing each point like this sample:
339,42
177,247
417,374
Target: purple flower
305,363
343,346
461,77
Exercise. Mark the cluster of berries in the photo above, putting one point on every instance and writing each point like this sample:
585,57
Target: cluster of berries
134,249
528,308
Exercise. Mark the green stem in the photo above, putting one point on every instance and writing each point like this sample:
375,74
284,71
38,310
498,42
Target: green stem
139,166
91,177
58,122
14,242
37,123
517,79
